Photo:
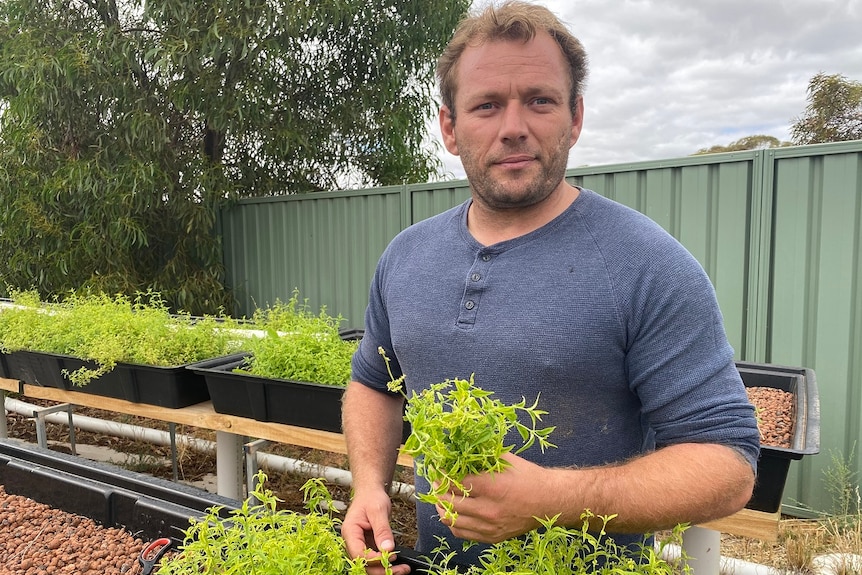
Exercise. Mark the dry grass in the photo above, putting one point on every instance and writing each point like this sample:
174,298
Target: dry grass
801,542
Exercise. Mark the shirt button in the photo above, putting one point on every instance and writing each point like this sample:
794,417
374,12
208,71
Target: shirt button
475,277
469,304
486,258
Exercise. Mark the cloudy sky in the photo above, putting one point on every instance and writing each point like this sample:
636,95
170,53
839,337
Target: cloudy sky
669,77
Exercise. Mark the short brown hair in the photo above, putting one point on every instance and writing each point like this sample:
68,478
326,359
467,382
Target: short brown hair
512,20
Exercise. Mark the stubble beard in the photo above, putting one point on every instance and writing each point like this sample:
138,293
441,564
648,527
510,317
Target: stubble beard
517,192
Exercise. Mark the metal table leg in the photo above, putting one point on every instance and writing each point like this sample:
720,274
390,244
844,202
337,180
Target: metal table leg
41,432
4,431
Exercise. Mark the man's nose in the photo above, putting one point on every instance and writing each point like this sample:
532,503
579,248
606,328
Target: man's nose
513,124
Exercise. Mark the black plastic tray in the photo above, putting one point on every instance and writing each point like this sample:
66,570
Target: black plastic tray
299,403
146,506
304,404
774,462
171,387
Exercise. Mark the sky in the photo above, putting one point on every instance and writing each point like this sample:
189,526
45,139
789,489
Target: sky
670,77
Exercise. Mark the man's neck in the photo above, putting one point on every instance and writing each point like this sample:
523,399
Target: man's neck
491,226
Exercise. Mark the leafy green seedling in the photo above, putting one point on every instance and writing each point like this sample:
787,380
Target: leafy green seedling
298,345
459,429
259,539
555,549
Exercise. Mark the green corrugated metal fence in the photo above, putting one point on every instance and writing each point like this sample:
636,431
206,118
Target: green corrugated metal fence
776,230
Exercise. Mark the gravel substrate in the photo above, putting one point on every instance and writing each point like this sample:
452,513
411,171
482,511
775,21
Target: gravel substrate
775,415
38,540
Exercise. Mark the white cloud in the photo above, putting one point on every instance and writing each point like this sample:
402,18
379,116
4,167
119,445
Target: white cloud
668,77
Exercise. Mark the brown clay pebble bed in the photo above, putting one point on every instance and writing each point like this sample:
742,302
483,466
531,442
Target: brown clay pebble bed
38,540
775,415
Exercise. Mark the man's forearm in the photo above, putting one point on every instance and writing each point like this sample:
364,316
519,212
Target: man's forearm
372,422
686,483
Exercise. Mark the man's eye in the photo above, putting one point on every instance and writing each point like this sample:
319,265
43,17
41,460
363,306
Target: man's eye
485,106
541,101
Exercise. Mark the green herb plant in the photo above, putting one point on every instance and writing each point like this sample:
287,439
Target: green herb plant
552,549
298,345
459,429
111,329
259,539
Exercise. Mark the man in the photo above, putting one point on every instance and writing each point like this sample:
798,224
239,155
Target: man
542,288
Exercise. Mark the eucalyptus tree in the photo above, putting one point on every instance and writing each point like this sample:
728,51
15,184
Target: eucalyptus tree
126,125
833,113
756,142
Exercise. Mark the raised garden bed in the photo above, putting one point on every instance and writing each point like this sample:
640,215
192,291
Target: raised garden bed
304,404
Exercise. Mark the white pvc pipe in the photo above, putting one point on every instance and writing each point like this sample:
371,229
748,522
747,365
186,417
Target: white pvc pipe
703,547
113,428
731,565
838,563
158,437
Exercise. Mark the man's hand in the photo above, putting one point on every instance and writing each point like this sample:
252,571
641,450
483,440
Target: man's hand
499,506
681,483
366,531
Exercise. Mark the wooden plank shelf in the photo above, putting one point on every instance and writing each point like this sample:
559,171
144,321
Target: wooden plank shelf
198,415
746,523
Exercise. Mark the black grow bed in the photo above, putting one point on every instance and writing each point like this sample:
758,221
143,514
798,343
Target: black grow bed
146,506
303,404
171,387
774,462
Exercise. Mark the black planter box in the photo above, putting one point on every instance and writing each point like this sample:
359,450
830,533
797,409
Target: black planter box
144,505
774,462
171,387
303,404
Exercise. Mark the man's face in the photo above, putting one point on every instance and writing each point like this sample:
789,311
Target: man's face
514,125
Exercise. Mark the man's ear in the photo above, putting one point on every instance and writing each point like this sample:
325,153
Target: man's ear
447,129
577,121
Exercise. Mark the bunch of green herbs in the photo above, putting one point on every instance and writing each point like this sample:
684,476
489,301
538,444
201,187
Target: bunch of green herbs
552,549
113,329
459,429
298,345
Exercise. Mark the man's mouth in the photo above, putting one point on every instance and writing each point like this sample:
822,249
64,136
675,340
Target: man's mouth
515,162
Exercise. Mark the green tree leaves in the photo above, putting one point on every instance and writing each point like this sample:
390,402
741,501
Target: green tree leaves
834,111
126,126
757,142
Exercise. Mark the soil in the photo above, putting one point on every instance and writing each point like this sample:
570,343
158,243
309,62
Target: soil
36,540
